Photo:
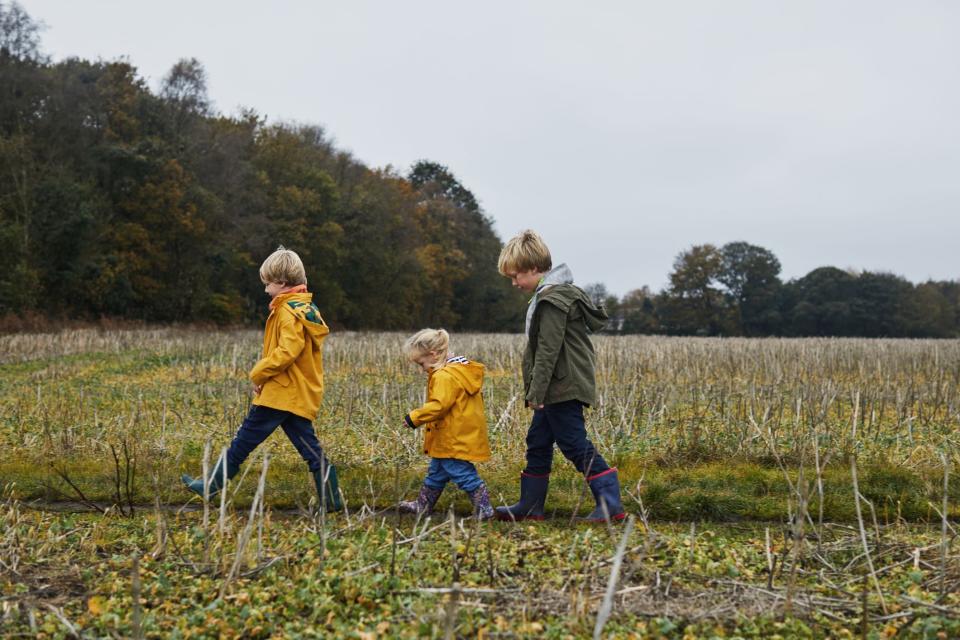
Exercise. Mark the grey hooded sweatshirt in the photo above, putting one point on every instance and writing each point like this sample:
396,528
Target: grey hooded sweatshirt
559,361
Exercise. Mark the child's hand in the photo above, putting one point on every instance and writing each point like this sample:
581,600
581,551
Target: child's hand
535,406
407,422
256,389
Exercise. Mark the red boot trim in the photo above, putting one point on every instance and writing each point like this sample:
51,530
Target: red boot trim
602,473
616,518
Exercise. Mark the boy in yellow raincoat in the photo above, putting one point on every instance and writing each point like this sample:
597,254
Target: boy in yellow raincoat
455,425
287,381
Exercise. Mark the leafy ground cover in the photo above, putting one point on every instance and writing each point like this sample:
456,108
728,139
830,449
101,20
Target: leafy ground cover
740,458
370,574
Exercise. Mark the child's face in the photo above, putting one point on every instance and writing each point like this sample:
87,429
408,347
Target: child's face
274,289
525,280
426,361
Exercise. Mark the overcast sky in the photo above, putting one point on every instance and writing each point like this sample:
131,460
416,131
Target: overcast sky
625,132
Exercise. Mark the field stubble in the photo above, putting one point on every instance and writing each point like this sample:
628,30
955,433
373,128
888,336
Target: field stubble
703,430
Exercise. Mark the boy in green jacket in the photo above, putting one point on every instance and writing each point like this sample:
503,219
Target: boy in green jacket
558,379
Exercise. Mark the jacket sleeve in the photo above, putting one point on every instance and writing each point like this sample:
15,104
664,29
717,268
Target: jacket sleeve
442,395
552,327
282,356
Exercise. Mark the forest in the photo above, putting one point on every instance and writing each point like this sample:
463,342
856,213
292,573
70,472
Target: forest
122,203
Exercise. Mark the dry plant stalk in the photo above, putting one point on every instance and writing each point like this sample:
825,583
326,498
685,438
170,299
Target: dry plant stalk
863,533
450,617
767,549
396,529
206,502
135,587
248,529
222,528
607,607
943,528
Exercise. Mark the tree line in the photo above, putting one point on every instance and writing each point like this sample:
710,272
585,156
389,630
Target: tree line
120,202
116,201
736,290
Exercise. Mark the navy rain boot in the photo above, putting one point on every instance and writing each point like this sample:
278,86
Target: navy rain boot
216,479
424,503
606,491
533,494
333,502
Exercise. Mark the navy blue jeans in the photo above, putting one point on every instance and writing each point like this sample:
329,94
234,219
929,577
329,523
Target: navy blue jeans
561,423
262,421
443,470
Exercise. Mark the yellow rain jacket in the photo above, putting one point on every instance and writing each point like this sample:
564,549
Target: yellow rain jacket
290,371
456,425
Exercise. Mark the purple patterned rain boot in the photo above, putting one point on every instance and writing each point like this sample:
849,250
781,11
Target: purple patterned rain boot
480,498
424,503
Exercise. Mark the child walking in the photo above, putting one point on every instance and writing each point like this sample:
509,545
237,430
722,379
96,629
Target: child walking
287,381
558,379
455,425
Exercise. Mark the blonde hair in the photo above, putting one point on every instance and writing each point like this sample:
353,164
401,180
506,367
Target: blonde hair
283,266
428,341
525,252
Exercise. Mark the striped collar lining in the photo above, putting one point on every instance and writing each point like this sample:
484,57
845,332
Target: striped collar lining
458,360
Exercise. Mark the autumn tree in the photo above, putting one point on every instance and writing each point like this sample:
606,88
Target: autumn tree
694,303
466,248
639,313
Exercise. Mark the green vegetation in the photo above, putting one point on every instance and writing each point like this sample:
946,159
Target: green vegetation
346,578
718,444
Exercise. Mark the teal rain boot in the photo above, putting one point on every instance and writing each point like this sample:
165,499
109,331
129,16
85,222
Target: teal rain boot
332,497
216,479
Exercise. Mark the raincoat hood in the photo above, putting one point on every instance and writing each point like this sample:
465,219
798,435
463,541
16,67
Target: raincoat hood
468,374
307,314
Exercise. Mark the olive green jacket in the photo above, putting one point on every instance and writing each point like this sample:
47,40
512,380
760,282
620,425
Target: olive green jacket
559,361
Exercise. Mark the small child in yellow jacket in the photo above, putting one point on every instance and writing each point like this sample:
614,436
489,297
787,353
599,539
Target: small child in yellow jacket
287,380
455,425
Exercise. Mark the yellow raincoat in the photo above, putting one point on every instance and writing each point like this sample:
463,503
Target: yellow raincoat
290,371
455,423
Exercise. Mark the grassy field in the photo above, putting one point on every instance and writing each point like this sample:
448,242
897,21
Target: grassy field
740,460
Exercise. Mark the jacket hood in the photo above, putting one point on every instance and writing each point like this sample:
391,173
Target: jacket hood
468,374
302,307
561,274
566,295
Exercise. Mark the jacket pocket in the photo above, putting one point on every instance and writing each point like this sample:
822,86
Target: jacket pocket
441,437
282,378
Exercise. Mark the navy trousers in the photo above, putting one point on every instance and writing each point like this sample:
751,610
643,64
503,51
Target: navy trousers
561,423
262,421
